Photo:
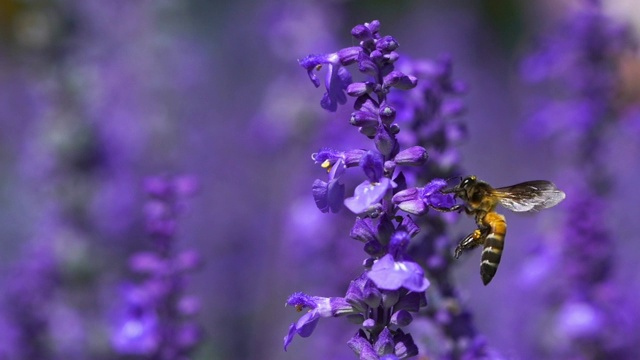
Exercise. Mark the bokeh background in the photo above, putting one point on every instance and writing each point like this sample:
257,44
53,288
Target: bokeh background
95,96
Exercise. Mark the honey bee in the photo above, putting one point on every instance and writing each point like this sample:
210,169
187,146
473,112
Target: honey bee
480,200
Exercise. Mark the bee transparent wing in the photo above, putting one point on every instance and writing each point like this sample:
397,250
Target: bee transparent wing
530,196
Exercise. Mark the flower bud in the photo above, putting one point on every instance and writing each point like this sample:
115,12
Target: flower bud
363,118
413,156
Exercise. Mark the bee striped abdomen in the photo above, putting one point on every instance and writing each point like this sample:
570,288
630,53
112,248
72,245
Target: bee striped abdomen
493,245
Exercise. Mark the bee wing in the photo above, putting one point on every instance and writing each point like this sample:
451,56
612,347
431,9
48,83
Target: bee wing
529,196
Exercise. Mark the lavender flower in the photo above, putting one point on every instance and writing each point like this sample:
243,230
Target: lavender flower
28,305
582,58
393,285
156,319
432,114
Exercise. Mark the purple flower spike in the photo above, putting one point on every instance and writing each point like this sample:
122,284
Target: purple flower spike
155,321
380,299
388,274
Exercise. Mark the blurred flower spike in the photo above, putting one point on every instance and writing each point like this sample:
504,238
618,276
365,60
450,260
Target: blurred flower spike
156,319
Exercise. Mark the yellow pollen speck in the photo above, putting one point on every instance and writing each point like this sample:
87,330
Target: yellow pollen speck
327,165
298,308
318,67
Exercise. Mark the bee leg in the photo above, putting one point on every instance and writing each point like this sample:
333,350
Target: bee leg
457,208
471,241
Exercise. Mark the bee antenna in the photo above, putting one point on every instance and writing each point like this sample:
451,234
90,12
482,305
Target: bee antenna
453,177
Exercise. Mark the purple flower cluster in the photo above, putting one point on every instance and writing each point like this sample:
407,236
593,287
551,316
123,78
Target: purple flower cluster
431,113
581,59
393,285
156,320
27,306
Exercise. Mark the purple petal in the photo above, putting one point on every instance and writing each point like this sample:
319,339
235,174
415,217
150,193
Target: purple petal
363,118
289,337
338,78
410,194
301,300
384,274
415,207
384,344
362,231
361,346
361,32
415,280
405,346
433,186
367,194
401,318
388,274
372,164
385,143
313,63
307,323
320,191
387,43
348,56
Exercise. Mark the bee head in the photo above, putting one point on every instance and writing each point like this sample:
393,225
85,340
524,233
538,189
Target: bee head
467,182
462,188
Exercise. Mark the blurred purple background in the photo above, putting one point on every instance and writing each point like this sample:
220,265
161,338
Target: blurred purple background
95,96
